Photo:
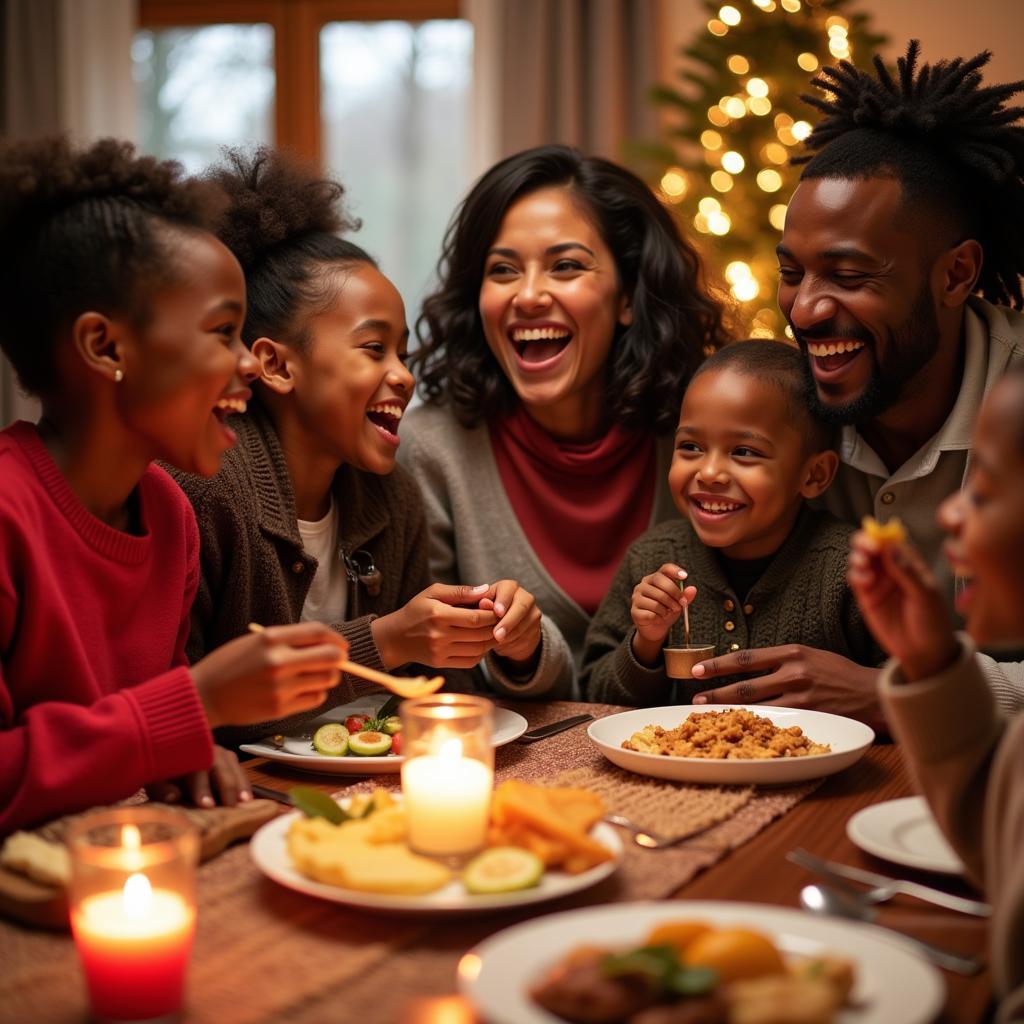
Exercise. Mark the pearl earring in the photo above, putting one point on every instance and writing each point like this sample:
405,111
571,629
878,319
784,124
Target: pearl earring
118,375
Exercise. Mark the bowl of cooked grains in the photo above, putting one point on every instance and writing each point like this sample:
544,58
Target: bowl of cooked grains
731,744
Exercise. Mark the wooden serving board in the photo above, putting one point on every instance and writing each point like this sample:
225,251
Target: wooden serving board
45,906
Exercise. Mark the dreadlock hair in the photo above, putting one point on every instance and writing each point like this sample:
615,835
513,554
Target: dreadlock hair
89,229
783,366
951,142
281,223
674,319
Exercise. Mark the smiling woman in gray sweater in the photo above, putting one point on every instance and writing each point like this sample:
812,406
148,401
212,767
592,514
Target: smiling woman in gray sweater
553,356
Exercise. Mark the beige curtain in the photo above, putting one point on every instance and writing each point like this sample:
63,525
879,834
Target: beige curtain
572,71
66,66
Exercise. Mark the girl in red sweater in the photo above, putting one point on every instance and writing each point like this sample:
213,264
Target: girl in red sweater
122,313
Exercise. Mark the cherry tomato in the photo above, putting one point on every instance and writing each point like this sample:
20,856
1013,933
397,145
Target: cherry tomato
355,723
396,743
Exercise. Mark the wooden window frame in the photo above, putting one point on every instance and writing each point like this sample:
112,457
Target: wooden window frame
296,25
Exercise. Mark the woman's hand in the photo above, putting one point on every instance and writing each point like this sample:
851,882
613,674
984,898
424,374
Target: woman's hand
517,634
442,626
902,605
276,672
228,779
657,604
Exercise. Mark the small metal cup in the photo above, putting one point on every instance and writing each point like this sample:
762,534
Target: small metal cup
679,661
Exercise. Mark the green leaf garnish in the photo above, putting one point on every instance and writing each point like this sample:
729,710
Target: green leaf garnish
315,803
693,981
656,965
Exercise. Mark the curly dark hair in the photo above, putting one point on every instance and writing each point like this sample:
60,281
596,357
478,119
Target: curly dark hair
85,229
782,365
953,144
674,320
282,223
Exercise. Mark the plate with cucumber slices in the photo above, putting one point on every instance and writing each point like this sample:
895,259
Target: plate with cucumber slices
361,738
504,877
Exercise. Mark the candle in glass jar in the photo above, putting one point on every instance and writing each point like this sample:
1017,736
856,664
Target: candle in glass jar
447,801
134,944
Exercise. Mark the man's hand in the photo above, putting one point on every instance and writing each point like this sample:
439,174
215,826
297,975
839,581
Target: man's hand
227,777
797,677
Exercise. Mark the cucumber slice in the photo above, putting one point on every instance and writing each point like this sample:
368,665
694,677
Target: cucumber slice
369,744
502,869
332,740
392,724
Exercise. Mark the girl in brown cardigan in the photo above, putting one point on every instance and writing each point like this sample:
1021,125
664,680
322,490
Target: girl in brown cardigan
310,518
968,759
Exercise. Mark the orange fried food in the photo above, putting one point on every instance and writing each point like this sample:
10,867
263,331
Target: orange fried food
552,823
890,532
735,953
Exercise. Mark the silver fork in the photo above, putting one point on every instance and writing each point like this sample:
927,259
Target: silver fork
652,840
882,887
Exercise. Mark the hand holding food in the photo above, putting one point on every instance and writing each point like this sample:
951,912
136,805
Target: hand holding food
271,674
901,603
658,602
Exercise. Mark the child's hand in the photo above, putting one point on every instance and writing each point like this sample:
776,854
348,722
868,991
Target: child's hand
437,628
657,604
902,605
229,782
517,634
276,672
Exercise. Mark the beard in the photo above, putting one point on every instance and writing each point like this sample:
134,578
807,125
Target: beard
908,349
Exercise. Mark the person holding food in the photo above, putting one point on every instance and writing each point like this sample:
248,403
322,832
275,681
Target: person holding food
768,570
569,317
123,316
965,753
309,517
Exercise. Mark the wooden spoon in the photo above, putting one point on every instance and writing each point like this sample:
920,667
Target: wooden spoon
402,686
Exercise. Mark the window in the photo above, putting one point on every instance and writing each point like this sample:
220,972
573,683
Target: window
376,91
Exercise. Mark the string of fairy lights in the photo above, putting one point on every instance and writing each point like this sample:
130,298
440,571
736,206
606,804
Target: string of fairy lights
734,163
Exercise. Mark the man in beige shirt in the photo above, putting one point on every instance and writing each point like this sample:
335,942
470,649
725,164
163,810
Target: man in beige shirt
899,262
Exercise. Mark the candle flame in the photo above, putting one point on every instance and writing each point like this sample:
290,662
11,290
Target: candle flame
451,750
131,839
137,895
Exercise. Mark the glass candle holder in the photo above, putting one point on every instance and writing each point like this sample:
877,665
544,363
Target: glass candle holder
133,909
448,772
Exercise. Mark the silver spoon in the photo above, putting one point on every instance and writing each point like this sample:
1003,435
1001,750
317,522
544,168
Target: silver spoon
652,840
820,899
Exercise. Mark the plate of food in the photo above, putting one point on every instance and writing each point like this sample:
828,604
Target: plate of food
361,738
731,744
725,959
543,843
904,832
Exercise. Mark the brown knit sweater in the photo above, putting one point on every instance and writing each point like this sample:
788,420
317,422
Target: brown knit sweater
801,598
254,568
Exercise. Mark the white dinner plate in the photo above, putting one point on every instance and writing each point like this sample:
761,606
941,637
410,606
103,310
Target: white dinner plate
904,832
892,983
269,849
297,749
847,738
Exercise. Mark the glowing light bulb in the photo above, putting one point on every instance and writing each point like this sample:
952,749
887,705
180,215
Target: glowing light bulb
777,216
774,153
800,130
790,5
721,182
807,61
737,270
700,222
769,180
719,223
729,15
757,87
717,116
710,140
733,162
709,205
734,107
759,105
673,182
717,28
836,19
746,289
738,64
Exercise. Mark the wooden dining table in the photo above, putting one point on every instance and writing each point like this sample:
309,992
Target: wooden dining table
266,941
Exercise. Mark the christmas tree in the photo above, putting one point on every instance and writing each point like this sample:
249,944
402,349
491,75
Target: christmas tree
740,120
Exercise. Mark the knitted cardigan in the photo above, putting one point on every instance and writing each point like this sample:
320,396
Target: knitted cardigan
802,598
475,536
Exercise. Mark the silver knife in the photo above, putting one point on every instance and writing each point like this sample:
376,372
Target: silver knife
544,731
842,872
271,794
